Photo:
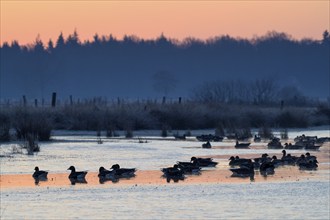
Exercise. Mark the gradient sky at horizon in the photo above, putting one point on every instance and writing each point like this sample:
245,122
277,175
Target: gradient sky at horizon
25,20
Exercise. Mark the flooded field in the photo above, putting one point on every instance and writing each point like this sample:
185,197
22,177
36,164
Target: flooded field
289,193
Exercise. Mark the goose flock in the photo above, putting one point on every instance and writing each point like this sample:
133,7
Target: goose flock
240,167
244,167
113,174
180,169
301,142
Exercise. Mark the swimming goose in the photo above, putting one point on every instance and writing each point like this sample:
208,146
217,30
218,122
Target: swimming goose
236,161
292,146
203,162
189,168
309,157
104,172
123,172
243,172
275,144
263,158
311,165
40,174
249,164
76,175
288,159
267,168
206,145
276,162
301,159
172,171
242,145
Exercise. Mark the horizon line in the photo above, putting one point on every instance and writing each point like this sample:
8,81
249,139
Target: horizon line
161,35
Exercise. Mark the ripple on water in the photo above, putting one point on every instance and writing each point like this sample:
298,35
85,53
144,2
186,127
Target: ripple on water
298,200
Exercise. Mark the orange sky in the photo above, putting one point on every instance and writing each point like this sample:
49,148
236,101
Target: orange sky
24,20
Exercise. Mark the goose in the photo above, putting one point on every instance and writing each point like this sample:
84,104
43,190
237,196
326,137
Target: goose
242,145
206,145
189,168
287,159
275,144
243,172
292,146
276,162
123,172
76,175
301,159
104,172
310,165
309,157
236,161
264,158
201,159
249,164
203,162
185,163
267,168
172,171
39,174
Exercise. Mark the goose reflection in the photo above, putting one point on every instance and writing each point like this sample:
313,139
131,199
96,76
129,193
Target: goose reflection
73,181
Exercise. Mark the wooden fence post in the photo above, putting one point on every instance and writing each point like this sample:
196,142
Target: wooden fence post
24,100
54,99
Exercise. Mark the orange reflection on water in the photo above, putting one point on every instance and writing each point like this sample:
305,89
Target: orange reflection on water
290,173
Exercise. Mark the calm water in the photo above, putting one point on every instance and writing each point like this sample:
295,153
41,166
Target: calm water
269,200
297,200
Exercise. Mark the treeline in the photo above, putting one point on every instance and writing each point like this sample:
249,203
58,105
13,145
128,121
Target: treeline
109,67
260,91
98,116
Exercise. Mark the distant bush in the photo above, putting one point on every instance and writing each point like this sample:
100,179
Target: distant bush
164,131
4,127
323,110
31,144
290,120
129,133
227,119
265,132
284,134
219,130
32,123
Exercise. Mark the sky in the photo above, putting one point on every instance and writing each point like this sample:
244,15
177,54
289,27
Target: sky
25,20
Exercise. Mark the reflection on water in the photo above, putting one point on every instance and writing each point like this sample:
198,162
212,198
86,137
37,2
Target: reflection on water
147,196
292,200
114,178
73,181
38,179
103,180
174,178
244,177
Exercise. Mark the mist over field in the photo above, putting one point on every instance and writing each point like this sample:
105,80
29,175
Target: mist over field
137,68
